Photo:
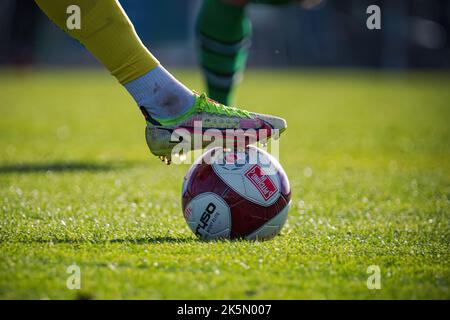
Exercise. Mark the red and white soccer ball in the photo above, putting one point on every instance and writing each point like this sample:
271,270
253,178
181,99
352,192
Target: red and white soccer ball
236,195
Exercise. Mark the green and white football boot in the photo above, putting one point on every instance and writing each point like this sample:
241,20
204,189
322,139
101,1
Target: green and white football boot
209,114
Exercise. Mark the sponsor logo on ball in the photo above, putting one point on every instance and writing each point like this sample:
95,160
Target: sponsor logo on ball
261,181
204,219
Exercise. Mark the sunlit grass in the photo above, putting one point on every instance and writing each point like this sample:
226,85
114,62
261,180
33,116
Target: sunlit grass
367,155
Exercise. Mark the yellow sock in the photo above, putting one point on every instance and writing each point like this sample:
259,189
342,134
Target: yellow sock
107,33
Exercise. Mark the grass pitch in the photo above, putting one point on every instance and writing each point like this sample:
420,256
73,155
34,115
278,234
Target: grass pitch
367,155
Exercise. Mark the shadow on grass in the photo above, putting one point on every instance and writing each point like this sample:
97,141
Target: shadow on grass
62,167
131,240
127,240
157,239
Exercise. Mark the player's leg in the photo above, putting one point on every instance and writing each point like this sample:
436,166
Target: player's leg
166,103
108,34
223,32
223,37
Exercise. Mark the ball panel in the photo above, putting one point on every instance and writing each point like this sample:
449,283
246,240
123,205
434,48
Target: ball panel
246,216
208,216
203,179
272,227
258,182
285,187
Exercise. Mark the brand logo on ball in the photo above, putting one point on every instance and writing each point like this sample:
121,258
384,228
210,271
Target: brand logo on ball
204,219
261,181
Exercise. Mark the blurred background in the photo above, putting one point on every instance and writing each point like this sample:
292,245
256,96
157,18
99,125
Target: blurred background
414,34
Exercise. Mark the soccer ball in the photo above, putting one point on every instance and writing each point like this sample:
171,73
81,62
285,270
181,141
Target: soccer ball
236,195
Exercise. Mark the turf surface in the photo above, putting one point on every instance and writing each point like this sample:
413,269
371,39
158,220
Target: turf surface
367,155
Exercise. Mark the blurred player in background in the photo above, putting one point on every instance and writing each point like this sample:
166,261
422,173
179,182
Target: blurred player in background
224,36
